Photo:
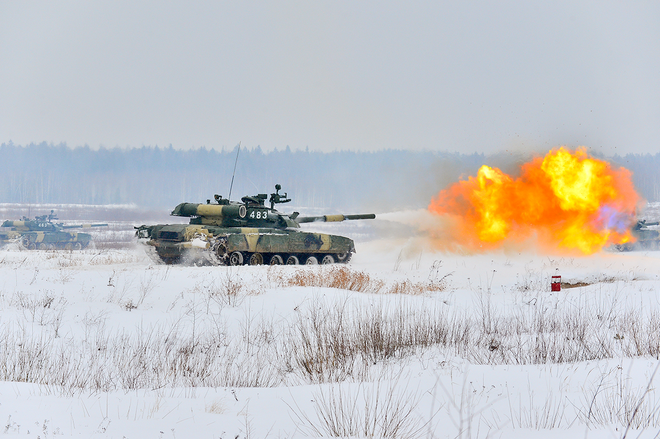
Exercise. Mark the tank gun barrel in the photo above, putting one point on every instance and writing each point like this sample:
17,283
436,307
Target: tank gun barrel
334,218
84,226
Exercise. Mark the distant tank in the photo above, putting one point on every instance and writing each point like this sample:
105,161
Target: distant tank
646,239
247,232
43,234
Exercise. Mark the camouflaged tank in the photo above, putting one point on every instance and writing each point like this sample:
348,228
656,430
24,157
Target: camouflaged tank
43,234
249,232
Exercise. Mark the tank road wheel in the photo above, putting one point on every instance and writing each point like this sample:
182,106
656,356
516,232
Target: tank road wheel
77,246
344,257
311,260
256,259
236,258
25,242
43,246
220,251
276,260
327,259
292,260
219,254
68,246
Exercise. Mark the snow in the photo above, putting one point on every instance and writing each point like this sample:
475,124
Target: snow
104,343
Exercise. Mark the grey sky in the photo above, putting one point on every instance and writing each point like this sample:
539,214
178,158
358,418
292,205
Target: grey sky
450,76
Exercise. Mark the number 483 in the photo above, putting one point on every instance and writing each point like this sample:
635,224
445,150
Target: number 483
258,214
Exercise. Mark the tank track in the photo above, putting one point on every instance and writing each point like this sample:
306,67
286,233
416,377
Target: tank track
217,255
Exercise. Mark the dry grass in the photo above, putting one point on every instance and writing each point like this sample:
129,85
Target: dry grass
333,277
150,359
228,289
367,411
345,278
217,407
333,342
322,342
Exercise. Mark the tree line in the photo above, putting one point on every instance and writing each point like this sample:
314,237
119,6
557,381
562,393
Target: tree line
163,177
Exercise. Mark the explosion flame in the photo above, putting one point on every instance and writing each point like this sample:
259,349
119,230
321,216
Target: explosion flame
566,201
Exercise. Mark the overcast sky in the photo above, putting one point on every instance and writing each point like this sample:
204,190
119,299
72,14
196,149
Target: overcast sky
335,75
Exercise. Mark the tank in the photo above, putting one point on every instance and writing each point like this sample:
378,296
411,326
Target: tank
226,232
646,239
44,234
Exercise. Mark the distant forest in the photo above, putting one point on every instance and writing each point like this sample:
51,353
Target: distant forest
163,177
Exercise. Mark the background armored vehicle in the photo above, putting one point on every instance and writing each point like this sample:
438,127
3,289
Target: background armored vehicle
647,239
42,233
236,233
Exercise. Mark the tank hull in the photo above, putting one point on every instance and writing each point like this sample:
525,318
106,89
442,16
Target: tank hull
54,240
197,244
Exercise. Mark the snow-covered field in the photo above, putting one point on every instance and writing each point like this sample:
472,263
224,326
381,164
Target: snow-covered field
402,342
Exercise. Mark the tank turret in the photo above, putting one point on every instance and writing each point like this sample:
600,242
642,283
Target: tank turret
44,234
232,233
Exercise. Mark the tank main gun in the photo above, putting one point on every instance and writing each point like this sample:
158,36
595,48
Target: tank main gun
82,226
333,218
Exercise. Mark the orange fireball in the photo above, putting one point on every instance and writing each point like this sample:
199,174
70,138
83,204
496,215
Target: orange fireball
565,201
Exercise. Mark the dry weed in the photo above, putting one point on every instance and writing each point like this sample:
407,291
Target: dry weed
217,407
344,278
367,411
